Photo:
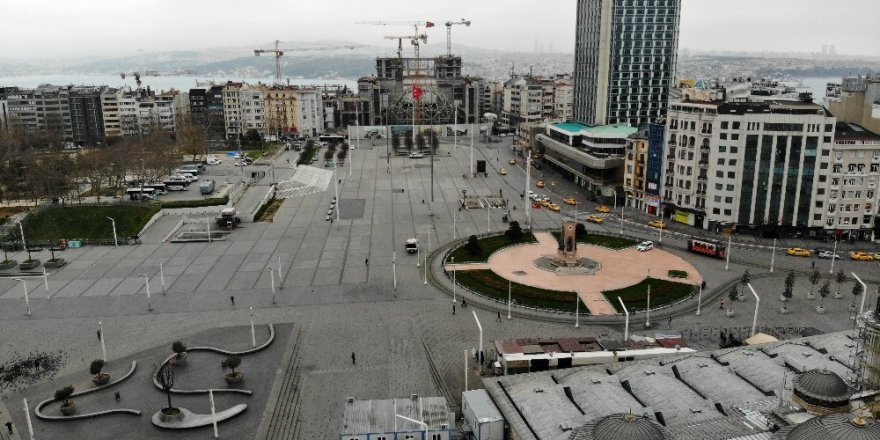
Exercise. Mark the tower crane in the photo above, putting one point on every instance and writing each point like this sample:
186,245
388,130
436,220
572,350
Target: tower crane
279,52
449,24
414,39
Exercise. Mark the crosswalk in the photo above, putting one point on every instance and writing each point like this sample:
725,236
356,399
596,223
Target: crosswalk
306,180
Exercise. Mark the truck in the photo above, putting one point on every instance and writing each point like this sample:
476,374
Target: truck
412,245
206,187
228,219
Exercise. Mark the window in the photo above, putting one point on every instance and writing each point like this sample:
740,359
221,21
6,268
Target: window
732,162
727,212
724,125
731,175
720,161
734,150
728,200
730,187
724,136
722,148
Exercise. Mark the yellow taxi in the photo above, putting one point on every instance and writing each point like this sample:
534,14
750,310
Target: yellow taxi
502,171
512,161
545,203
657,224
860,256
539,184
603,208
798,252
876,256
592,218
554,207
570,201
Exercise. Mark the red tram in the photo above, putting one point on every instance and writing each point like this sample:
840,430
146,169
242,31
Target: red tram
708,248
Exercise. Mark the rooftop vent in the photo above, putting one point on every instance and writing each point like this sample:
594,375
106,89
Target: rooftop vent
538,390
349,400
649,373
596,380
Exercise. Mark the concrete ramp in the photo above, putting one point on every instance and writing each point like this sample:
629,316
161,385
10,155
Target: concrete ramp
306,180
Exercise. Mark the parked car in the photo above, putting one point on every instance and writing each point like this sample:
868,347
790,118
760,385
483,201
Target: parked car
502,171
860,256
603,209
798,252
657,223
213,161
592,218
416,155
827,254
645,246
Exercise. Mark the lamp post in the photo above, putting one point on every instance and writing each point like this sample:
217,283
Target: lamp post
864,291
253,333
162,276
46,283
465,369
272,278
101,338
577,310
454,284
149,299
27,301
508,298
727,262
615,198
833,257
626,323
757,303
208,226
480,327
528,206
773,256
648,309
394,268
115,238
23,242
27,417
621,220
422,424
700,299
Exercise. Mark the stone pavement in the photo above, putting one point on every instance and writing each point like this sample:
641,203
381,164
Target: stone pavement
343,304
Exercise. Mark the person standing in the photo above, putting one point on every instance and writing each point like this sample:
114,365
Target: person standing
367,261
353,359
722,303
232,300
117,396
453,310
499,317
669,322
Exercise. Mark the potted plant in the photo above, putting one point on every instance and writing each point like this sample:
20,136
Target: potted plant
743,280
814,279
98,378
233,377
823,292
7,264
165,376
787,293
179,353
841,278
62,395
732,296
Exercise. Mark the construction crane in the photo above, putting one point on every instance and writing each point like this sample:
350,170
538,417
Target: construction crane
279,52
449,24
414,39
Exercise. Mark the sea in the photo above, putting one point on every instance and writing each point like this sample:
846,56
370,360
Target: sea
159,83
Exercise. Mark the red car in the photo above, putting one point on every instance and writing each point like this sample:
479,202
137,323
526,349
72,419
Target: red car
536,205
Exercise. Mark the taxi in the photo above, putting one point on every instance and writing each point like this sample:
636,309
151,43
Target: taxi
657,224
545,203
860,256
603,208
512,161
570,201
502,171
554,207
592,218
539,184
798,252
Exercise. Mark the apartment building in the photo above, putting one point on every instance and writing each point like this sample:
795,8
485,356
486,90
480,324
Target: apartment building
530,99
492,97
207,110
86,115
847,199
856,100
53,111
625,55
635,167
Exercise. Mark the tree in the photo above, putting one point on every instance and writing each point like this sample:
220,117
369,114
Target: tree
841,278
580,231
395,141
232,362
473,246
253,137
420,141
744,279
63,395
732,295
824,291
408,143
789,286
856,291
435,142
514,232
342,154
814,279
166,381
328,155
190,138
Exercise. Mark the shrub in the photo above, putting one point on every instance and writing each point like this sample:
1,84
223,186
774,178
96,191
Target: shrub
178,347
232,362
514,231
63,394
473,246
96,367
678,274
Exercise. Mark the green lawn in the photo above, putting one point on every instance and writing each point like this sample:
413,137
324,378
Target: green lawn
490,284
635,296
488,245
306,157
197,203
608,241
86,222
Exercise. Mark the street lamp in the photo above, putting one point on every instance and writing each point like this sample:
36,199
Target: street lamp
864,290
149,299
833,257
27,301
615,198
454,284
422,424
115,238
757,303
272,278
480,327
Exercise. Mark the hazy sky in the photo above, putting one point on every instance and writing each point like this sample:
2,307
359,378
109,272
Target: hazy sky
63,28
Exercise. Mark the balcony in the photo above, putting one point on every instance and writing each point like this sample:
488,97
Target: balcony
704,149
702,178
671,151
704,164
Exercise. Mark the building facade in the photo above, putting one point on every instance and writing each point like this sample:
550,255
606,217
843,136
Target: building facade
856,100
531,99
635,173
850,195
625,55
206,105
86,115
654,166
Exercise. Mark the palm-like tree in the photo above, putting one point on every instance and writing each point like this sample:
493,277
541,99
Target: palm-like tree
789,286
824,291
732,295
814,279
841,278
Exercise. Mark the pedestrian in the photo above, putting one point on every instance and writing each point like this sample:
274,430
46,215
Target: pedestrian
453,310
99,334
288,161
703,284
367,261
232,299
9,427
463,303
353,359
812,264
499,317
474,352
117,396
669,322
482,358
722,303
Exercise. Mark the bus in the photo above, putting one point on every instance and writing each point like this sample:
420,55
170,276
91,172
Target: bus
145,193
332,138
708,248
160,188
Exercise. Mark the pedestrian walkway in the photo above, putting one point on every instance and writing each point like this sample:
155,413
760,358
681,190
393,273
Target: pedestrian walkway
306,180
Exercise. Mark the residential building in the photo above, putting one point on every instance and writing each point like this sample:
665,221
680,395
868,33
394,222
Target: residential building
4,112
848,199
654,166
252,101
86,115
232,119
492,98
563,96
110,112
592,157
22,107
635,166
207,109
378,419
625,55
856,100
533,99
53,111
310,111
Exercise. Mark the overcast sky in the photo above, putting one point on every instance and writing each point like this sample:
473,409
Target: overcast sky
63,28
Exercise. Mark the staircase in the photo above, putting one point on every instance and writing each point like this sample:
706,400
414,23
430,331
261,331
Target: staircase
306,180
282,420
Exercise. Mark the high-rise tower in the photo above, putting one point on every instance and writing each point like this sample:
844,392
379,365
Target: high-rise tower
624,60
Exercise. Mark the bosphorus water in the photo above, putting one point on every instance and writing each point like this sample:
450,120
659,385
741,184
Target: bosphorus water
158,83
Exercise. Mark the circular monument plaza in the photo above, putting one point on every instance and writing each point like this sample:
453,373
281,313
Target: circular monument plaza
596,272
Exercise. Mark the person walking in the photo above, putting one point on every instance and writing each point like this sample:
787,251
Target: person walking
669,322
353,359
499,317
453,310
463,303
99,334
117,396
232,300
722,303
367,261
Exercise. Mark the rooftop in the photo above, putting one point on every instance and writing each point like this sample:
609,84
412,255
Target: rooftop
616,130
853,132
570,126
378,416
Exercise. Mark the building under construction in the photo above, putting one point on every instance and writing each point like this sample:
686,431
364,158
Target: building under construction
435,85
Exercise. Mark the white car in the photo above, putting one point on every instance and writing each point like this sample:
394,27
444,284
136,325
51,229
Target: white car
827,255
184,176
416,155
645,246
213,161
239,163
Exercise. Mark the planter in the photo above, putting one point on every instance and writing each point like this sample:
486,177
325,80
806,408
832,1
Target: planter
820,309
55,263
68,409
101,379
811,296
170,415
838,295
234,378
783,298
741,297
29,264
8,264
729,313
178,359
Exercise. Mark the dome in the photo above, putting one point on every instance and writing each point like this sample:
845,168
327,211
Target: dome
627,427
822,387
836,427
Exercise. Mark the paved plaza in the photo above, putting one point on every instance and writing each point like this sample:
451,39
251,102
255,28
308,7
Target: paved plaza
351,287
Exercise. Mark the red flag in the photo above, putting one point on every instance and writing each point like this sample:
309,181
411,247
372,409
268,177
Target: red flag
429,24
416,92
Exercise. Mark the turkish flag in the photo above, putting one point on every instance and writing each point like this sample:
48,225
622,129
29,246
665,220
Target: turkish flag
416,92
429,24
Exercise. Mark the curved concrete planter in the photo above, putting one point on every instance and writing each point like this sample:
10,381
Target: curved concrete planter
8,265
189,419
38,410
101,379
178,359
174,416
55,264
820,310
232,379
68,410
29,264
